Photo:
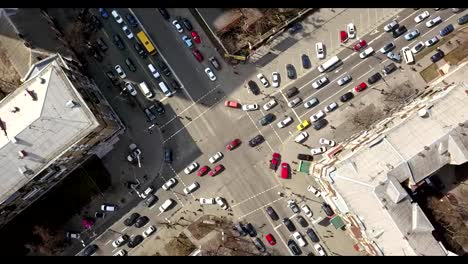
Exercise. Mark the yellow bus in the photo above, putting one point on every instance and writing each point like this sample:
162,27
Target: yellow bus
146,43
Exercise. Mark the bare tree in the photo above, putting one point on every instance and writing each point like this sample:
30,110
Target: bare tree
48,242
367,117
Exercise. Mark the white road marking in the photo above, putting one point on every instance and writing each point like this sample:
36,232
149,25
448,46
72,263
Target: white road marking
261,207
110,240
365,73
180,179
258,194
123,230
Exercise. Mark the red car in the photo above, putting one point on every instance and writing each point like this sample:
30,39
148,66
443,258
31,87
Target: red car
197,55
216,170
232,104
362,43
275,159
202,171
233,144
195,37
343,36
284,170
360,87
271,240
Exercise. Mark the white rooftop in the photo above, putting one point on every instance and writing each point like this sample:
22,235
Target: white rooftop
37,121
369,180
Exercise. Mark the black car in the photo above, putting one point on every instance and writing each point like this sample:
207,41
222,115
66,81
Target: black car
131,19
389,68
462,20
294,248
300,219
253,87
158,107
346,97
291,71
437,56
164,13
164,68
150,116
267,119
187,24
139,49
259,244
89,250
141,221
150,200
289,224
388,47
374,78
131,219
239,228
292,92
305,157
175,84
305,61
399,31
256,140
327,209
167,155
319,124
272,213
118,41
101,44
215,63
130,64
250,230
135,241
313,236
112,78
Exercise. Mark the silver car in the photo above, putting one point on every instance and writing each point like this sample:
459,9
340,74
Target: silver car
294,102
344,80
313,101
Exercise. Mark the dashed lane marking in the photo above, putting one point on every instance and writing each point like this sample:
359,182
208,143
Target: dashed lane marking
261,207
269,189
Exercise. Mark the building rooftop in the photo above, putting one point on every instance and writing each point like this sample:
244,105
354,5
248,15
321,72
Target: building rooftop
370,180
39,121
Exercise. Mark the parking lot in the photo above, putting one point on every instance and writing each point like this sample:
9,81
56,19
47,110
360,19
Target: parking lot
197,124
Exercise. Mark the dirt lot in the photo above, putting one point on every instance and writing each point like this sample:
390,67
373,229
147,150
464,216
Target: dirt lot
430,73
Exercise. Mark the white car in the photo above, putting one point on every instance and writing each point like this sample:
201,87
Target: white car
210,74
311,189
299,239
147,192
431,41
221,202
331,107
207,201
320,82
177,26
305,208
213,159
319,249
166,205
317,151
294,102
122,239
263,80
131,89
351,30
344,80
319,48
418,19
433,22
150,230
418,47
117,17
320,114
153,71
313,101
275,79
390,26
169,184
120,72
324,141
366,53
301,137
270,104
190,168
288,120
120,253
127,32
191,188
250,107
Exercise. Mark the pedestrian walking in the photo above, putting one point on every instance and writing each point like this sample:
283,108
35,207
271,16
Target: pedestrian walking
332,127
236,73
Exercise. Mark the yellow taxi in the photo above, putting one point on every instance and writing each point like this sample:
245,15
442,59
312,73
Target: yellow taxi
305,124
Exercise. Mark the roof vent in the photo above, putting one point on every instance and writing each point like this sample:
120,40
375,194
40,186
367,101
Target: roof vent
32,94
70,104
41,80
423,113
24,170
14,140
14,109
22,154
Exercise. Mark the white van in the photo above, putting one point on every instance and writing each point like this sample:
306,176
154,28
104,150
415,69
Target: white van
165,89
408,55
166,205
153,71
145,90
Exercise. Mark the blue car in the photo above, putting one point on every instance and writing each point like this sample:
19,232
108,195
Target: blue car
394,56
131,20
412,35
305,61
295,28
103,12
188,41
446,30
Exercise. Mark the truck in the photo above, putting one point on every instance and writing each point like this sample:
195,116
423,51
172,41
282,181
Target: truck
328,65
